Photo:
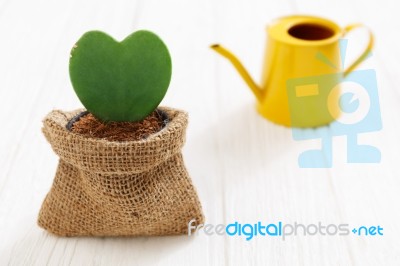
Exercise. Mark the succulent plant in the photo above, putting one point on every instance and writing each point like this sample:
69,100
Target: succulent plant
120,81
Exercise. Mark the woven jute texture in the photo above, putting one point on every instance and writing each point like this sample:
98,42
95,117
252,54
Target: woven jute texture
131,188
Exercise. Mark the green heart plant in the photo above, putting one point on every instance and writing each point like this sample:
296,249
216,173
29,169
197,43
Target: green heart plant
120,81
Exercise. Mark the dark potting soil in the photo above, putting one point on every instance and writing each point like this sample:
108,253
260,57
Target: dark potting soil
88,125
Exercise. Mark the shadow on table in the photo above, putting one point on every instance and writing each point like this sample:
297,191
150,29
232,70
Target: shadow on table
40,247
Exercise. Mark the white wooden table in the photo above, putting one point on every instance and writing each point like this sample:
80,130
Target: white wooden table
244,167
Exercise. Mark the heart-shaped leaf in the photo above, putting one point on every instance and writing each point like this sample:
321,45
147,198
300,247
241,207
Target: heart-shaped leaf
120,81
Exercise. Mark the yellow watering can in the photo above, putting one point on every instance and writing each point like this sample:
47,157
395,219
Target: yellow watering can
293,43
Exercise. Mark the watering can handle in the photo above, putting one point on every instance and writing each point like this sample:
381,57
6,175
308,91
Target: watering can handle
366,51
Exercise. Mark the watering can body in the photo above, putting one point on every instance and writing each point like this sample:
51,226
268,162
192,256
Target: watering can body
294,44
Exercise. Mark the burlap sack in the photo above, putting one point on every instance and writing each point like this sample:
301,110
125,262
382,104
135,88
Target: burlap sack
132,188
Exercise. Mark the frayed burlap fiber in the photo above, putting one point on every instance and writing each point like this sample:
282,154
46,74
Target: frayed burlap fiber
108,188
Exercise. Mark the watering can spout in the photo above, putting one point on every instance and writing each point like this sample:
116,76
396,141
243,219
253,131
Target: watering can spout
240,68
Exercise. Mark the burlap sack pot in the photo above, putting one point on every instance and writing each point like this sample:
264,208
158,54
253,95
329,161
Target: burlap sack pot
108,188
